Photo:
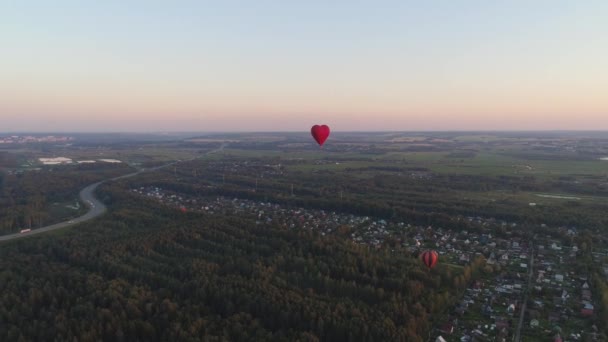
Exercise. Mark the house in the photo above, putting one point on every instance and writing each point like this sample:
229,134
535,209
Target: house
559,277
461,310
447,328
534,314
534,323
440,339
587,310
554,317
557,301
586,295
502,323
465,338
585,286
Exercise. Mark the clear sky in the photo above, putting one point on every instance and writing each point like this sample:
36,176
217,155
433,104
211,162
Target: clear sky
285,65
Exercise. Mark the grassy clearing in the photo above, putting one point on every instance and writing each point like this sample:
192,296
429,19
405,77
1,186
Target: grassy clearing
479,138
492,163
144,154
483,163
525,198
415,157
563,167
453,266
64,211
275,153
314,154
341,166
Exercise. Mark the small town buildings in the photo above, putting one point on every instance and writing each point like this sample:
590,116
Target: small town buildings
587,310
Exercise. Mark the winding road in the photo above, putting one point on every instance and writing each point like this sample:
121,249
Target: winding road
96,208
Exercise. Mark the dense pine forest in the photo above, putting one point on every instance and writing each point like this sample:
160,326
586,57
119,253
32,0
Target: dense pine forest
26,198
147,272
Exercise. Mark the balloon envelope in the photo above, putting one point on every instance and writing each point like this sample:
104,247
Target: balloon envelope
320,133
429,258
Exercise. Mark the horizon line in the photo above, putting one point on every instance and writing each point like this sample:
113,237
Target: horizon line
307,131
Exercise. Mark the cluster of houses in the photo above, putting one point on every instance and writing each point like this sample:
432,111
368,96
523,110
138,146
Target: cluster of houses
559,297
556,295
22,139
362,229
260,168
490,306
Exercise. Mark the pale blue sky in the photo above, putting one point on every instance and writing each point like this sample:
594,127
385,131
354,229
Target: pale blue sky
282,65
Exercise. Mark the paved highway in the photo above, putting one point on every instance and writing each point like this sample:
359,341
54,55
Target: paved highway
96,208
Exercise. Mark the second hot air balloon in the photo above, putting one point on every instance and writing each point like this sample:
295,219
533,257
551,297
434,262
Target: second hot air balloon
429,258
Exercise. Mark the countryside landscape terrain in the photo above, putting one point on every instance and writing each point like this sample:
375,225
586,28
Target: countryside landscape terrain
267,236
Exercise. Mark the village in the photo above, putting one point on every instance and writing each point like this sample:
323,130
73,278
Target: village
24,139
528,291
536,292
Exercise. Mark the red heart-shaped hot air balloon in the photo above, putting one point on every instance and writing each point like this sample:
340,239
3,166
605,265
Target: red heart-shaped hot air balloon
429,258
320,133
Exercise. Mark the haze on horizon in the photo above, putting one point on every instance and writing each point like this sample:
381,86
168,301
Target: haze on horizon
283,66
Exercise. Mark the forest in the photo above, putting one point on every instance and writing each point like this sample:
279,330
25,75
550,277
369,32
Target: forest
26,197
147,272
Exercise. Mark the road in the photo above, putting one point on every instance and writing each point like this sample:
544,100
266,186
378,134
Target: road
520,324
96,208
